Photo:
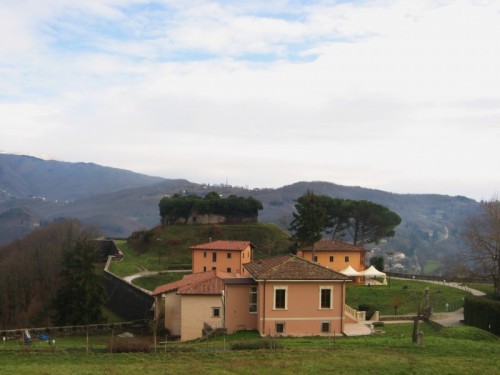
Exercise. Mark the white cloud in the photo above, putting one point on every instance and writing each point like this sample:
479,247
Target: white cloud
396,95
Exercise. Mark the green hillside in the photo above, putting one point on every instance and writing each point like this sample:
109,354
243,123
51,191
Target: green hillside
167,247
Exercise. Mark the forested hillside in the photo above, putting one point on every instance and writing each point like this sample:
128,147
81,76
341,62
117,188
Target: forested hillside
430,228
30,273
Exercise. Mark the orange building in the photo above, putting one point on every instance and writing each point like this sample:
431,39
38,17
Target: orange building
286,295
228,256
336,255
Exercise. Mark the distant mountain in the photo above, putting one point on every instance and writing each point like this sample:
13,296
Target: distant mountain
28,176
120,202
32,190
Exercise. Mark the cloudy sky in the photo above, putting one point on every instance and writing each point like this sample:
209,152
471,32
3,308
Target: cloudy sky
402,96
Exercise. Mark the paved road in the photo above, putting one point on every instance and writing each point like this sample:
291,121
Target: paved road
149,273
450,284
449,319
452,318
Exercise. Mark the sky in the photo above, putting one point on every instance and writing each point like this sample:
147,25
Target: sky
401,96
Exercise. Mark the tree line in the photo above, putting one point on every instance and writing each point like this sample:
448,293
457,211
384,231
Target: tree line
359,222
233,208
47,278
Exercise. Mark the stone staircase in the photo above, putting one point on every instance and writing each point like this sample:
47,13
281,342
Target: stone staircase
355,323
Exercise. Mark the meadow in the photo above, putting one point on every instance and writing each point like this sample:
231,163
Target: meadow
454,350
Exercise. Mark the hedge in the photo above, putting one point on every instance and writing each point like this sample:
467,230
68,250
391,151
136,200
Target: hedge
482,312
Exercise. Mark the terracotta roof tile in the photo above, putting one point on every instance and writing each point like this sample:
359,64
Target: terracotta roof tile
197,283
291,267
223,245
333,245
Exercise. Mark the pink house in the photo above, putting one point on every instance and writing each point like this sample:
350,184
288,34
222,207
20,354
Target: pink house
286,295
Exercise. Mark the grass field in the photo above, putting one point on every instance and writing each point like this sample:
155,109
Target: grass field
151,282
431,266
167,247
457,350
407,292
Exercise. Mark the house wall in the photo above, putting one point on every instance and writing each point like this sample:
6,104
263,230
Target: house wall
173,313
303,315
236,315
201,263
356,259
197,310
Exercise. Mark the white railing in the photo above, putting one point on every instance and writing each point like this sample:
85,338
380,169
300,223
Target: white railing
355,314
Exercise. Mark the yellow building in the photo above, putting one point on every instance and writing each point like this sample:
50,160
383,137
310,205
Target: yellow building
334,254
227,256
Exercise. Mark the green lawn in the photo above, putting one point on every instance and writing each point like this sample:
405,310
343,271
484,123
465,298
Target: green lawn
485,288
151,282
457,350
431,266
407,292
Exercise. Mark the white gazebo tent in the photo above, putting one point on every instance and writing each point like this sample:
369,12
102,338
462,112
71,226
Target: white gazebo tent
350,272
372,273
356,276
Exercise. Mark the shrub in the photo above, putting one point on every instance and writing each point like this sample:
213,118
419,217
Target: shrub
130,345
370,309
268,343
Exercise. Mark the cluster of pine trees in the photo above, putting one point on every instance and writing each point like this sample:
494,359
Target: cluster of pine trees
233,207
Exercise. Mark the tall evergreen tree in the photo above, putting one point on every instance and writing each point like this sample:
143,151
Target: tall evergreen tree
310,220
362,221
81,298
370,222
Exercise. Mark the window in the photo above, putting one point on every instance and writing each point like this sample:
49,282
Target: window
315,258
347,259
325,297
214,268
214,257
279,328
331,258
280,297
204,269
228,269
229,255
252,304
325,327
204,254
215,312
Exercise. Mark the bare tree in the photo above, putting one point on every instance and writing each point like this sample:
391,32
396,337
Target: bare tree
481,258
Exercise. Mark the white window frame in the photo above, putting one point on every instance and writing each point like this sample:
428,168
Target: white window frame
326,287
253,291
285,288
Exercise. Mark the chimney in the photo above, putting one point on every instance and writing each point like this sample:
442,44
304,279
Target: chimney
209,239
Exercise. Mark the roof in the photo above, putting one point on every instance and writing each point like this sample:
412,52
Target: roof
291,267
224,245
209,282
349,271
333,245
372,271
